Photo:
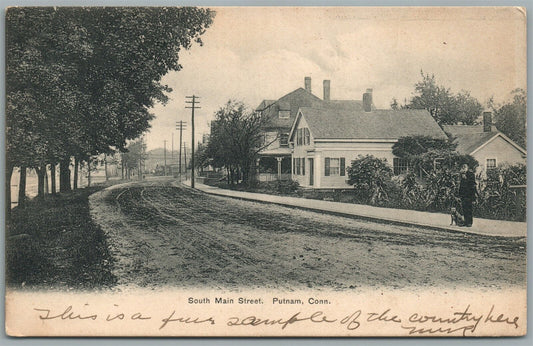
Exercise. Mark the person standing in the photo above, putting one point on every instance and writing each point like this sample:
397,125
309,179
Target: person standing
467,193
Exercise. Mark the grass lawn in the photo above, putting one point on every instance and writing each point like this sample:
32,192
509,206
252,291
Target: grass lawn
54,244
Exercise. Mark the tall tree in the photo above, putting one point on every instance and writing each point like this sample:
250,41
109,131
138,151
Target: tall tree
134,156
235,141
511,117
80,81
443,105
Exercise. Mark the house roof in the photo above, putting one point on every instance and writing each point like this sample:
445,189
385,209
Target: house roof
296,99
289,102
264,104
469,138
341,121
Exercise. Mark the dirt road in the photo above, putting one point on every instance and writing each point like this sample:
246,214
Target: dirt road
162,235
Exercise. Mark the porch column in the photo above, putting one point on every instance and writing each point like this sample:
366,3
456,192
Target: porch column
279,166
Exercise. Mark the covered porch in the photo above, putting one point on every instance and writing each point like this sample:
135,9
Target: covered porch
274,164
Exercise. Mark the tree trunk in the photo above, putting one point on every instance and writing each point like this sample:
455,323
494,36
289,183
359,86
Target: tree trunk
76,170
22,187
89,173
122,164
53,177
46,185
105,168
40,181
9,174
64,176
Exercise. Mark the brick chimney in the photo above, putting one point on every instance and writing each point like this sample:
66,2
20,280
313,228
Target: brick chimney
487,121
308,84
367,100
326,90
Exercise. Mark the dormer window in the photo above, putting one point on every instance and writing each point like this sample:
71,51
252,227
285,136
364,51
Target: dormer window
284,114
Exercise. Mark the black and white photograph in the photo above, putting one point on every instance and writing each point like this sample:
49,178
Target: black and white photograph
265,171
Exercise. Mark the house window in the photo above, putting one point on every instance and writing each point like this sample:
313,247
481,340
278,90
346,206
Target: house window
284,140
491,164
335,166
400,165
302,164
307,136
284,114
297,165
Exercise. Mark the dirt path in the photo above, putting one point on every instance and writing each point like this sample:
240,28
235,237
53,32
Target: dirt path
162,235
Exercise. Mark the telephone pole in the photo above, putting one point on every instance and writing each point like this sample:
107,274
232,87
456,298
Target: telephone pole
185,152
181,125
172,152
165,156
193,106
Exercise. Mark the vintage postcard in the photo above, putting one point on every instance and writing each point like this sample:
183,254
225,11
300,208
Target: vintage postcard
266,171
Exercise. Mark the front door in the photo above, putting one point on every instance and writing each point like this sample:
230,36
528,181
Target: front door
311,172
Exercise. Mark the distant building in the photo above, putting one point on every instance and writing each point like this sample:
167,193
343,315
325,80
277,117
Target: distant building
326,137
486,144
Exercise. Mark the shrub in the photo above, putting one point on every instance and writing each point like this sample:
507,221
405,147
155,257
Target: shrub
498,198
287,186
412,194
435,160
371,177
441,188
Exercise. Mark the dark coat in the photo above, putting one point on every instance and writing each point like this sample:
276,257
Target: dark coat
467,186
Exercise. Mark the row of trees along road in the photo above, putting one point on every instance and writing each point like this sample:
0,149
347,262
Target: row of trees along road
80,81
450,108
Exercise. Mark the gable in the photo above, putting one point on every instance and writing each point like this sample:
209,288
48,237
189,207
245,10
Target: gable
501,150
504,142
470,138
290,103
468,143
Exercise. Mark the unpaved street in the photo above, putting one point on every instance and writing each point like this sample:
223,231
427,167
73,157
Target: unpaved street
162,235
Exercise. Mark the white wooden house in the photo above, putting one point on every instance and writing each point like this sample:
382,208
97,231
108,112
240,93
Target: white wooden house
326,138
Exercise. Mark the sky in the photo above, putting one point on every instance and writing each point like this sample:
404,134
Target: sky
250,54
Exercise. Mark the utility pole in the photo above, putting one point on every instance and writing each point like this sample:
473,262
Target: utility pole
181,125
185,151
165,156
172,152
193,106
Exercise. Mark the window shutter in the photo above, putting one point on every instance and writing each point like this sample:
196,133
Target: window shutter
343,167
293,165
326,165
303,165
